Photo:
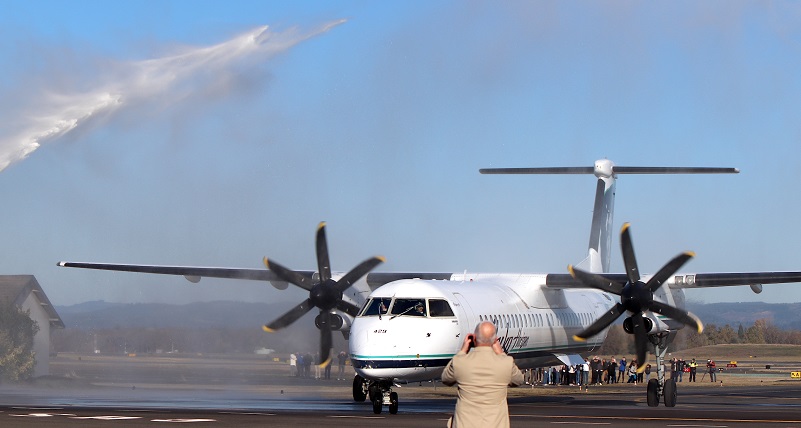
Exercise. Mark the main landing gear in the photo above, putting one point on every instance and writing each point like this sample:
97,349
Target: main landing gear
661,387
379,391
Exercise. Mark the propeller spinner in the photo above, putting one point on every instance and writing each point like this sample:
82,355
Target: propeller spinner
636,297
326,294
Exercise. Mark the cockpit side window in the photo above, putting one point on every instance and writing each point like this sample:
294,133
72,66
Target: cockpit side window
376,306
409,307
439,308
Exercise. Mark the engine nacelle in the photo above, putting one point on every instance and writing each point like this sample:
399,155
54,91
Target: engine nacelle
628,326
337,322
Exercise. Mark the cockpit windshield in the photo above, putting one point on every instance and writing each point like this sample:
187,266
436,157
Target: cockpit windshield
414,307
376,306
411,307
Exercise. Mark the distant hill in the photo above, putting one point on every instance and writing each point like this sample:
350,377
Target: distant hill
783,315
100,314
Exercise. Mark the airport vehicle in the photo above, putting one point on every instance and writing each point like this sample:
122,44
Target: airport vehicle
412,323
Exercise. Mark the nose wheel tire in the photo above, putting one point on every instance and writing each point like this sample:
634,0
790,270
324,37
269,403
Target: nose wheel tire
377,405
393,403
359,389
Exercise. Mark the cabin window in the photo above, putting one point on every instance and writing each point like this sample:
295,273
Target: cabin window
376,306
409,307
440,308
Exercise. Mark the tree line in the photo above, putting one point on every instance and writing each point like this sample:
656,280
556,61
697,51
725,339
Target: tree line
763,331
17,330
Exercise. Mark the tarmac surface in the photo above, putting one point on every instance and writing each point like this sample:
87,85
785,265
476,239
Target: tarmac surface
306,405
136,391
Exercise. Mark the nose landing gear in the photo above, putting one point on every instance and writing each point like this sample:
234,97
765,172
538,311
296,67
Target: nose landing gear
380,394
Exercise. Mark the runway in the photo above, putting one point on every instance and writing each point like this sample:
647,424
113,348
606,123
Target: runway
308,404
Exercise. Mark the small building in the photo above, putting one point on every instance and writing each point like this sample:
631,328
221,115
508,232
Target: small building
26,293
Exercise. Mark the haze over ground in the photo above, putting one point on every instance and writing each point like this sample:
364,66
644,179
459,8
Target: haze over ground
186,133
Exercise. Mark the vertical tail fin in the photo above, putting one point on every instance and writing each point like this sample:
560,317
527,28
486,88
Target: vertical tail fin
601,232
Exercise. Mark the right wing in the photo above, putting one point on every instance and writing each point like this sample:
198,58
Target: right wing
191,273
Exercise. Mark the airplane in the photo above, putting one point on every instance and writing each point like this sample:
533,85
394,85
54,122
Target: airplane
405,326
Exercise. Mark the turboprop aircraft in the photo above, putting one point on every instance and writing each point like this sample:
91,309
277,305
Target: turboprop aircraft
405,327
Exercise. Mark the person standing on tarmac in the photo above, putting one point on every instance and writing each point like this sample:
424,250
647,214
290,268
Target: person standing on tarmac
710,365
482,372
693,368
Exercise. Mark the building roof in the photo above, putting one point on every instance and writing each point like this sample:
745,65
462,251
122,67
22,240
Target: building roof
16,288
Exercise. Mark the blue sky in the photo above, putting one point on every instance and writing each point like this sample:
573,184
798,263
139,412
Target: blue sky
379,125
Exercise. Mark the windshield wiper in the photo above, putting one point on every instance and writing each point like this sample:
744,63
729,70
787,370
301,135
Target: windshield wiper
402,313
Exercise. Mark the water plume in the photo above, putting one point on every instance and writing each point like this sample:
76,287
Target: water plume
122,86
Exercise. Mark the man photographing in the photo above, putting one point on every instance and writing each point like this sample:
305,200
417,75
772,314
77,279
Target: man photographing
483,372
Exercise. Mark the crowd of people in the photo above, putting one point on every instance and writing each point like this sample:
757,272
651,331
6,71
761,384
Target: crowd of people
600,371
594,370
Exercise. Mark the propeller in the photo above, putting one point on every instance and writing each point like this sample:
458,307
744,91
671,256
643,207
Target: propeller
636,297
325,294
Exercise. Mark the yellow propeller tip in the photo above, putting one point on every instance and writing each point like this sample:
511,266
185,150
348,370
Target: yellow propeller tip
571,271
698,323
267,329
382,258
325,363
641,369
321,225
579,339
626,225
690,253
266,262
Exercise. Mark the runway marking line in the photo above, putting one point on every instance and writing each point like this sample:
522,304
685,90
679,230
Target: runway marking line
107,418
37,408
701,426
678,419
183,420
356,417
583,423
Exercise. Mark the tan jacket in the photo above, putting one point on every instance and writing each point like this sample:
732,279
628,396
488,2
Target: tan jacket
482,377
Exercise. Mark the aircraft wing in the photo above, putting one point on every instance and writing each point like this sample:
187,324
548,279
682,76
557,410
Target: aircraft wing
690,280
195,273
191,273
703,280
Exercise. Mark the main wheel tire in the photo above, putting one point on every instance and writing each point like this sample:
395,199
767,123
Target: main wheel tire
393,403
378,403
653,393
670,393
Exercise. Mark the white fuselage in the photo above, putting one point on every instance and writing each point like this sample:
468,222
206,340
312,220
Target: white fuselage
535,324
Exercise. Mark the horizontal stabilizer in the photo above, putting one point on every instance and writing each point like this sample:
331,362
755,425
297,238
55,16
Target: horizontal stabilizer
550,170
615,169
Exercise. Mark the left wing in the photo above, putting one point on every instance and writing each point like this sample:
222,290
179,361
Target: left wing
690,280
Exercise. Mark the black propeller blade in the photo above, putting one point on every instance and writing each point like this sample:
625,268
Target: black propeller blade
636,297
326,294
